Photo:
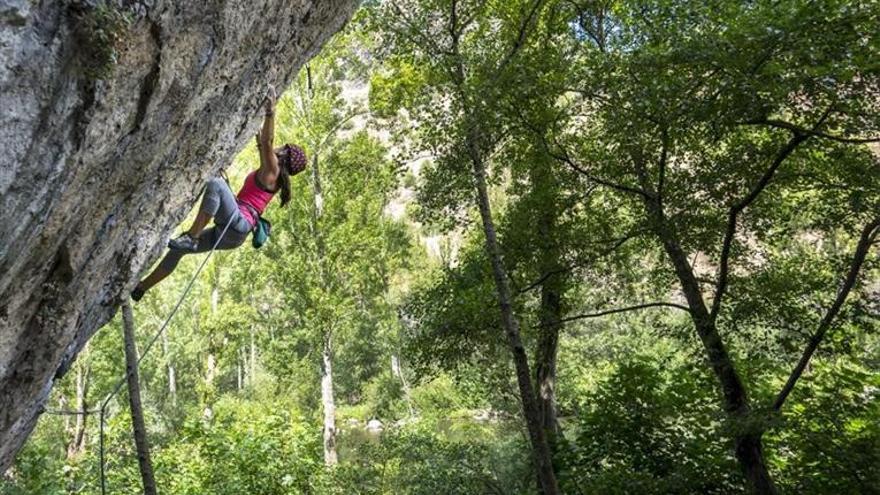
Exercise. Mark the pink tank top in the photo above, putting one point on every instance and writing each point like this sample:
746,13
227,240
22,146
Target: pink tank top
251,194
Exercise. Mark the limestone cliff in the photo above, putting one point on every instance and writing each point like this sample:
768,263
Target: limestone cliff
113,114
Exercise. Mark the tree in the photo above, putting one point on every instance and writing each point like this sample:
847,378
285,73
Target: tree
336,249
670,102
83,372
450,40
134,399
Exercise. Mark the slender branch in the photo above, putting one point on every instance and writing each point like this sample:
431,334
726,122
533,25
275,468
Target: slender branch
869,234
566,158
453,20
664,152
733,214
616,311
521,36
68,412
596,33
332,132
768,175
617,243
475,12
544,278
781,124
427,43
586,93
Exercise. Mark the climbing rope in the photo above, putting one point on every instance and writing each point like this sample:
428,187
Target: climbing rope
102,411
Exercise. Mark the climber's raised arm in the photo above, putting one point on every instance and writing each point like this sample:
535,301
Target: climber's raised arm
268,173
235,215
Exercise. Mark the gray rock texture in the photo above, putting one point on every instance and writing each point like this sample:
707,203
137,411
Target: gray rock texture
112,115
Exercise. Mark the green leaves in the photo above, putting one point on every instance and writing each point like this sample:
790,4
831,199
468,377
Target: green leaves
587,114
650,428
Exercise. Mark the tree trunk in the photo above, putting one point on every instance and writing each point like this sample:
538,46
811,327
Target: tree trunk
172,379
749,451
211,365
327,398
545,369
134,399
397,372
210,374
327,401
747,444
239,369
252,368
540,448
62,405
83,370
550,311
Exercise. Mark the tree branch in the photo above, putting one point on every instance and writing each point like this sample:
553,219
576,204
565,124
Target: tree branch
664,152
454,32
563,157
733,214
617,243
616,311
566,158
332,132
869,234
781,124
521,36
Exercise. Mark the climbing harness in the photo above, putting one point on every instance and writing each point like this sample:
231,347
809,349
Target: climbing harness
103,409
262,228
261,232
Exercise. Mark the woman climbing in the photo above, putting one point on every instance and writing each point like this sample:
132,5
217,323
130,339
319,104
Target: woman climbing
240,212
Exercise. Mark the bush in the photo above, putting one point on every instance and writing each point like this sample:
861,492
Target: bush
830,442
248,448
100,32
419,458
649,430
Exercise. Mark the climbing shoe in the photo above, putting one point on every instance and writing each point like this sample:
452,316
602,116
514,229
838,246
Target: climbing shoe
137,294
184,243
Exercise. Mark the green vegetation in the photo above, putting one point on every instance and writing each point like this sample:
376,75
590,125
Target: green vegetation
99,30
684,205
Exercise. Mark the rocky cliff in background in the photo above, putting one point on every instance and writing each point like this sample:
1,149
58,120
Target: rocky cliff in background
113,114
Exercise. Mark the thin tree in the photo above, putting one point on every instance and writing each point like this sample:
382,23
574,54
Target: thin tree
211,366
476,139
327,397
169,365
83,373
134,399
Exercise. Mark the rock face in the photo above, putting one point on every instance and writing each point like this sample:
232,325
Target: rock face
112,115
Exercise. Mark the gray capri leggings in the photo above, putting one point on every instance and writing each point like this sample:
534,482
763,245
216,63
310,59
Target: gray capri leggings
218,202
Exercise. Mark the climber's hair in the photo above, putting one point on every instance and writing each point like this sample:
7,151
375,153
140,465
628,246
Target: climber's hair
293,161
284,186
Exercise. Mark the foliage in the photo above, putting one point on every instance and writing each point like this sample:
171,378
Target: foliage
417,459
831,435
649,428
100,32
617,136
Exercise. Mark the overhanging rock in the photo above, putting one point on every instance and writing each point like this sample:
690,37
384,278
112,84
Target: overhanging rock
112,114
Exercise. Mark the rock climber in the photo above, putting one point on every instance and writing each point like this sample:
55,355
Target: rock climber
242,212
